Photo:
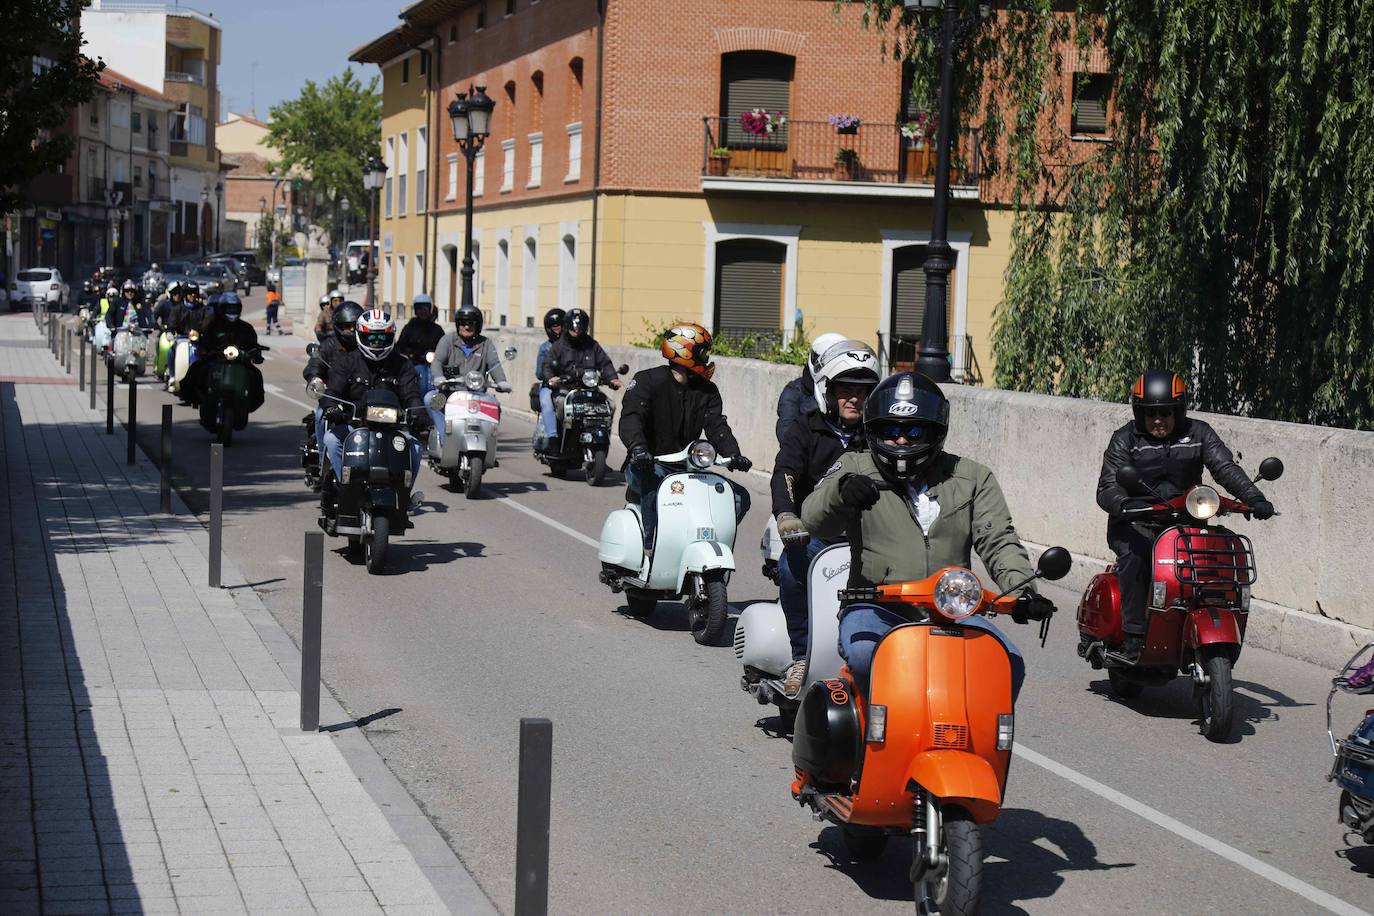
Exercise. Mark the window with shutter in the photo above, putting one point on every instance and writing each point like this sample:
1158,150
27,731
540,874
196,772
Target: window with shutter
749,80
1091,95
749,287
909,304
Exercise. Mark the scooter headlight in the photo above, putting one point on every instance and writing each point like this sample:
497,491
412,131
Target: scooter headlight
1202,502
193,335
383,415
701,455
429,357
231,352
590,378
958,594
436,400
474,380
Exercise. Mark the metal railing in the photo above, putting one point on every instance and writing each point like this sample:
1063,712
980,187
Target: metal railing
748,342
177,76
816,151
898,354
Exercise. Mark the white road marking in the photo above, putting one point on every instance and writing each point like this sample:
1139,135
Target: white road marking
275,391
1140,809
1178,828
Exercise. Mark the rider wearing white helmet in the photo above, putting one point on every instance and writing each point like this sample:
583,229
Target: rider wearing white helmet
844,373
795,399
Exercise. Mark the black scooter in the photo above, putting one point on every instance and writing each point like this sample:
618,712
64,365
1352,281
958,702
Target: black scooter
373,499
584,415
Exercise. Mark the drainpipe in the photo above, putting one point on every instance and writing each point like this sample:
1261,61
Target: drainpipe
435,134
596,167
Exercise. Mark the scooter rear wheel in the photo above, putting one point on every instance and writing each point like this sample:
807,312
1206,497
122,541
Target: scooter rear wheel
1123,688
1214,700
956,890
639,604
865,847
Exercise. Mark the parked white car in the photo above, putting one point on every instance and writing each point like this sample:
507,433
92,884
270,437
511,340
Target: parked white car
39,284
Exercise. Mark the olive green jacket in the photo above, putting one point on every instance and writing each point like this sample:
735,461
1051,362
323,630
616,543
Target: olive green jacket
886,543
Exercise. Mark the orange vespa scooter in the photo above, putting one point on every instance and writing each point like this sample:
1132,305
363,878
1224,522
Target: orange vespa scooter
926,754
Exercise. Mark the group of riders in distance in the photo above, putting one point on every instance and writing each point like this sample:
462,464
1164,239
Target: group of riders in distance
865,656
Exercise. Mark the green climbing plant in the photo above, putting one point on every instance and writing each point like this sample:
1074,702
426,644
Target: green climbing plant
1223,230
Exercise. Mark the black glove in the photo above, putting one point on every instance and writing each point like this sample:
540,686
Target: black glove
1262,509
1032,606
740,463
641,457
858,491
334,413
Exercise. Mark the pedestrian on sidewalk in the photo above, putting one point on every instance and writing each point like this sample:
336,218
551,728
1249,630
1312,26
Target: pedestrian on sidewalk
273,305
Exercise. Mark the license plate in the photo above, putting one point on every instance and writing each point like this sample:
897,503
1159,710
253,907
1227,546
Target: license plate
586,437
706,534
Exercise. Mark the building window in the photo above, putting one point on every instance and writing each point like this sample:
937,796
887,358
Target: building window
402,170
119,113
749,80
507,165
424,62
749,289
452,193
529,279
567,272
574,152
481,15
479,172
909,304
405,71
390,158
136,122
418,285
536,160
453,33
138,176
387,209
387,275
502,280
1092,94
510,7
421,168
399,293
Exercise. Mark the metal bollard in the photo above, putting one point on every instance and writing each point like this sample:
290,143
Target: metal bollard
66,360
312,605
532,818
133,420
81,369
95,367
216,511
109,400
165,462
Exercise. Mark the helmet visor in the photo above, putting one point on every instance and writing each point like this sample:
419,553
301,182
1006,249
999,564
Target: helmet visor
375,340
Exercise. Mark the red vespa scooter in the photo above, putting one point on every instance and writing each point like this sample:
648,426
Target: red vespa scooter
1198,604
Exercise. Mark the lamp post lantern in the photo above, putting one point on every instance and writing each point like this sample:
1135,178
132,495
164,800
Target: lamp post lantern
374,176
204,200
933,360
470,113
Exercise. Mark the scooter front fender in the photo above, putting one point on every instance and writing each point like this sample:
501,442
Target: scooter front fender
960,778
382,499
1215,627
700,556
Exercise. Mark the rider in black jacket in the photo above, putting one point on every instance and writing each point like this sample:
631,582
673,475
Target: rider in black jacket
665,409
1169,449
225,329
566,360
420,338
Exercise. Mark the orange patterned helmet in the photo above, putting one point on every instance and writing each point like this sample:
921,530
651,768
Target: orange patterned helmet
689,346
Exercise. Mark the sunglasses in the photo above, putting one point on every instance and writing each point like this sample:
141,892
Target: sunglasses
1159,411
912,432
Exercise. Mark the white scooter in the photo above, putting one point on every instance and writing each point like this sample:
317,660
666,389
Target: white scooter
763,646
693,553
183,355
129,352
770,548
472,418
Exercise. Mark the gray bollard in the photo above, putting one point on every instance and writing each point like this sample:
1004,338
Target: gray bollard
532,818
216,511
81,369
109,400
165,462
66,360
95,367
133,420
312,607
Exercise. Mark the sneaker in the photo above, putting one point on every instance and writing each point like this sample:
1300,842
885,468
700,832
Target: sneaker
793,678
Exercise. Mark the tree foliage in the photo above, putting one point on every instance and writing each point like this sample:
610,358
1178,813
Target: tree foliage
329,132
43,77
1225,229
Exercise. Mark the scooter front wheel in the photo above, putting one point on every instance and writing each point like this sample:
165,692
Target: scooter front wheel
375,545
707,614
596,468
473,489
1214,699
956,889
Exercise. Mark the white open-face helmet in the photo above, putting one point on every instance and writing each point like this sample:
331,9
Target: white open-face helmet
844,360
818,348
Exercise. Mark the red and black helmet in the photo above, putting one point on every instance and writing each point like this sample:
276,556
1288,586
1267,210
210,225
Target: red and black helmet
1158,388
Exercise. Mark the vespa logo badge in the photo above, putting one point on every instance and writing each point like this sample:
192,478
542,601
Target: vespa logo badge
904,409
676,488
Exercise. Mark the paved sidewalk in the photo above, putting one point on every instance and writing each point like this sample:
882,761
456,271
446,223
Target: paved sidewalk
149,755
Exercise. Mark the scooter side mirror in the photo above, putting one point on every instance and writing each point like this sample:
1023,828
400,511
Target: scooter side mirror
1054,564
509,353
311,349
624,369
1270,469
1128,478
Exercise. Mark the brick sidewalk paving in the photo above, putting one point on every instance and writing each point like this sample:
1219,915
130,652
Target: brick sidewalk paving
149,754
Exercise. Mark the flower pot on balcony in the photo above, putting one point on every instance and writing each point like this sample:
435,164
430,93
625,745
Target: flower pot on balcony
846,170
850,130
717,166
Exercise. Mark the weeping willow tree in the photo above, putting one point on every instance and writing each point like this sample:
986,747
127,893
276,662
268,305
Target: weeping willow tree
1225,228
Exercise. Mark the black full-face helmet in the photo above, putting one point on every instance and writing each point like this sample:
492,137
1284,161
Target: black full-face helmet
469,316
554,318
1157,389
229,306
906,405
581,322
345,321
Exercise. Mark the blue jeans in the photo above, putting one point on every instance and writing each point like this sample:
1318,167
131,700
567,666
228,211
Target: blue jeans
546,411
425,373
333,449
319,434
862,625
793,569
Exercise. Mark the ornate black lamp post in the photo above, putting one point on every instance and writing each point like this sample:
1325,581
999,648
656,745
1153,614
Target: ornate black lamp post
204,223
470,113
374,176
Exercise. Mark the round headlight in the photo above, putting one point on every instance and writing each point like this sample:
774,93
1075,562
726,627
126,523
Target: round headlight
958,594
193,335
231,352
474,380
590,377
1202,502
429,357
701,455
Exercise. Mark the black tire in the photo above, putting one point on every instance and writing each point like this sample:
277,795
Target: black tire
355,544
955,892
226,425
475,469
1123,688
707,616
1214,700
639,604
557,468
596,468
374,547
864,847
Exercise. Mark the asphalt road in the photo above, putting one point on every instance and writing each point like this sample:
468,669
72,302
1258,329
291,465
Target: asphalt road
671,784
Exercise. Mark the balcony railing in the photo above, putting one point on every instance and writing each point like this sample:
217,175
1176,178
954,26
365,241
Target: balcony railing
816,151
176,76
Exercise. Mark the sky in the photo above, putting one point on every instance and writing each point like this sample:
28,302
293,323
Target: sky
271,47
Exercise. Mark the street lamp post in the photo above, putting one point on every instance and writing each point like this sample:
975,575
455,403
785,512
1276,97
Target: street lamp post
374,176
204,200
344,237
470,113
219,209
933,360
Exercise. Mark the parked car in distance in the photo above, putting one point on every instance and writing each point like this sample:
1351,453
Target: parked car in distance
237,269
39,284
213,279
274,273
249,259
177,270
